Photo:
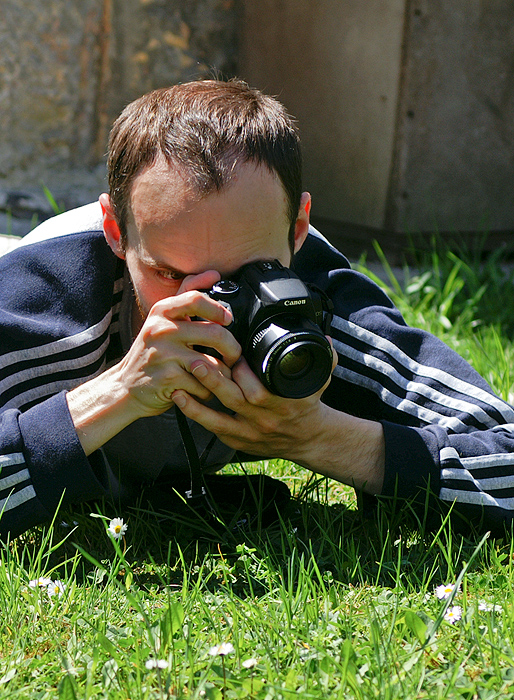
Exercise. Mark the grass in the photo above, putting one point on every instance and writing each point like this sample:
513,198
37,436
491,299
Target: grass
325,602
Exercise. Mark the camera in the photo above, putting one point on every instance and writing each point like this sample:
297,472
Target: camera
280,323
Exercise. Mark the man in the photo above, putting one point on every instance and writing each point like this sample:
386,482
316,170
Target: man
99,337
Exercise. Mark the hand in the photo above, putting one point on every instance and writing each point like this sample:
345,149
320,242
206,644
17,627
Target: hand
305,431
157,364
159,361
263,423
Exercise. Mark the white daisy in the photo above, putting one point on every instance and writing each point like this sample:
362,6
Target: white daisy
221,649
117,528
55,588
444,591
453,614
156,663
41,582
488,607
250,663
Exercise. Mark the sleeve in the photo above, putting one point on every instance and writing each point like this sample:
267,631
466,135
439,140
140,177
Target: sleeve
445,429
42,464
59,303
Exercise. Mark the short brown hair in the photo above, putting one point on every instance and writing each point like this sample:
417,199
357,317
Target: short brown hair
207,127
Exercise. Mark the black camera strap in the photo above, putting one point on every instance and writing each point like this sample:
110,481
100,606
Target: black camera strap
328,307
197,489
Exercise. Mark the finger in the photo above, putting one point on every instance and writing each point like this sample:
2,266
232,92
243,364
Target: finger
253,389
225,426
201,336
204,280
218,365
335,359
192,303
158,394
227,391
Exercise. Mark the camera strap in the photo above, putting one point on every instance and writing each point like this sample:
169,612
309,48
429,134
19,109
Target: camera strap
197,489
327,305
328,308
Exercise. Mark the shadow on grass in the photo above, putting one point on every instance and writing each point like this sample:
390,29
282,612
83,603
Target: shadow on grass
253,552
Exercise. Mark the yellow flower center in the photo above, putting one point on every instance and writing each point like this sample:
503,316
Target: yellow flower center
117,529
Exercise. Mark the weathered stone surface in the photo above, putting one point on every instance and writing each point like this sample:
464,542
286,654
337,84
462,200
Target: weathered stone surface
406,106
67,68
154,43
48,85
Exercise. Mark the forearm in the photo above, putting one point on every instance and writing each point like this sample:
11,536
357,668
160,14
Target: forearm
348,449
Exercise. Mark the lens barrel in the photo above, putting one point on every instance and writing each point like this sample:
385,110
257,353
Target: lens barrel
291,356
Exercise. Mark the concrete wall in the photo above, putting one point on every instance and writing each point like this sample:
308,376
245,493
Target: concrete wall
336,65
68,67
406,108
454,159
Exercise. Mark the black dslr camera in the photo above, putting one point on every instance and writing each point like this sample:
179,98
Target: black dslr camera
280,323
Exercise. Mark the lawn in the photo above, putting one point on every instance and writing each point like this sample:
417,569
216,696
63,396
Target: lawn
326,602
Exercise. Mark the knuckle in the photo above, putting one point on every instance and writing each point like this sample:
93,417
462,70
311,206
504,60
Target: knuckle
167,393
258,396
212,380
153,321
193,296
173,372
158,309
218,333
157,326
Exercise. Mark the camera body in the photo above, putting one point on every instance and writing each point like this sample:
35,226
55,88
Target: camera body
280,323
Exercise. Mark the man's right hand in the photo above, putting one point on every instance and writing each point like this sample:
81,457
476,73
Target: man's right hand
157,364
160,358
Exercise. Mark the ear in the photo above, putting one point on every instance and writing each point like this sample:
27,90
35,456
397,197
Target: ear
302,222
112,231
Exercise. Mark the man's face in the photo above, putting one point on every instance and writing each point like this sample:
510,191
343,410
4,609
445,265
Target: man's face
173,232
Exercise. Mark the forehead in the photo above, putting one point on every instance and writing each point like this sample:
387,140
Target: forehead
170,221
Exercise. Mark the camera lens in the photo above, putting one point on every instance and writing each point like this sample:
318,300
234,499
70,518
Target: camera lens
295,362
291,356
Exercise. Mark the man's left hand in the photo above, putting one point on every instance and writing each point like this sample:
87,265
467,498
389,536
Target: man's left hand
305,431
262,423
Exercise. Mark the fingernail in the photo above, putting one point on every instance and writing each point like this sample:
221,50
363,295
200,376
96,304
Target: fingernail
180,400
200,371
228,317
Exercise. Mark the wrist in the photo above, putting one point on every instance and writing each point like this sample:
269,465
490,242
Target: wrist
100,408
345,448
